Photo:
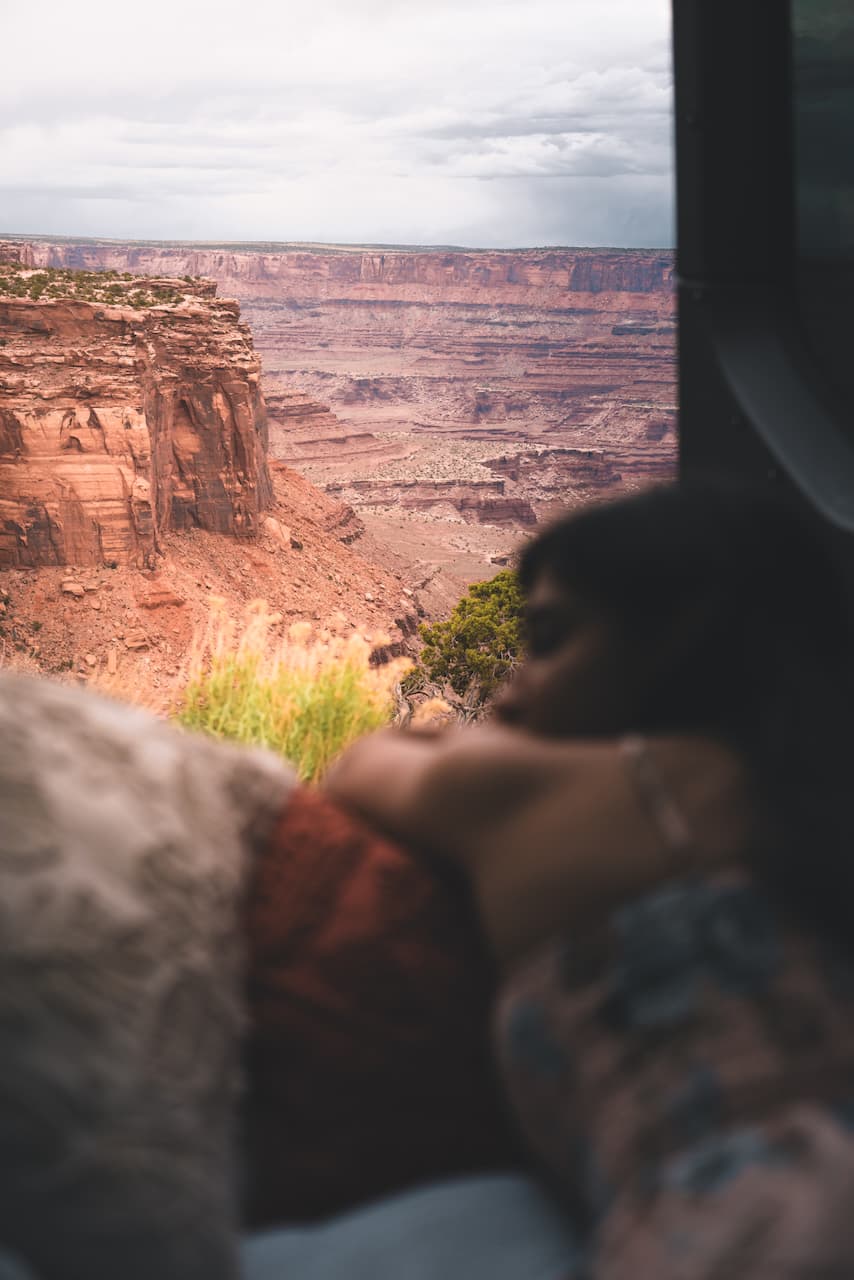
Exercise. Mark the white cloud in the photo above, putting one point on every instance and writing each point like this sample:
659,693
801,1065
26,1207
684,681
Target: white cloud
385,120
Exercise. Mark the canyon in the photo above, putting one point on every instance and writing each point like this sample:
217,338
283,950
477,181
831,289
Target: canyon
136,488
454,398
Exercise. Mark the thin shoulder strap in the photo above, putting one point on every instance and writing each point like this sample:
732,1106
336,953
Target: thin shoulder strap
657,800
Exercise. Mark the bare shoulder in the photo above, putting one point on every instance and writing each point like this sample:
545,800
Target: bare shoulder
449,792
481,778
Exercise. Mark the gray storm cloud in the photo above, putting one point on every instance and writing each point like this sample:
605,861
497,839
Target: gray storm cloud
493,124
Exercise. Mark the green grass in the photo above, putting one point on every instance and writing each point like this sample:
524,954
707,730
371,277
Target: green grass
305,697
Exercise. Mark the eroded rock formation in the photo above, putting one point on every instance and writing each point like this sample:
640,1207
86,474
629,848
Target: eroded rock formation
119,423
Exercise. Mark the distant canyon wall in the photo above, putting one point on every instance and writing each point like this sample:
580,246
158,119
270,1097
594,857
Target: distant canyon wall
117,424
318,272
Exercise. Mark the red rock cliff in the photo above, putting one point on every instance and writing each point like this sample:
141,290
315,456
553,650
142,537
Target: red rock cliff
314,272
118,423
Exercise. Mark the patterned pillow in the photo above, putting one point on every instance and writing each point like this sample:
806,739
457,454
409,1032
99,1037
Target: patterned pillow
123,853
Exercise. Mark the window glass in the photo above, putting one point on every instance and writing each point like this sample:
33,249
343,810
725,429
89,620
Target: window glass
823,68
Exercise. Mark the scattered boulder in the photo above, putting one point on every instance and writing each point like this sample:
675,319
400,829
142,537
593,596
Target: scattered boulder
136,639
160,597
277,531
71,588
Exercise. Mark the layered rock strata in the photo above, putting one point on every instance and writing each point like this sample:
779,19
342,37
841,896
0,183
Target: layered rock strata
332,271
409,381
119,423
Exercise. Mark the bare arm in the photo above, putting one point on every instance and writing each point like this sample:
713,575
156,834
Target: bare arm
549,832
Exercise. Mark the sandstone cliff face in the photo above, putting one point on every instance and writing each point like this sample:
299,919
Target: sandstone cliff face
118,424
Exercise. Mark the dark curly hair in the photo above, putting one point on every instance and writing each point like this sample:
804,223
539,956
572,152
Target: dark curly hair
763,655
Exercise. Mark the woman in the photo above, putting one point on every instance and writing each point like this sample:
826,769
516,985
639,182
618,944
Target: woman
679,1043
365,950
362,953
704,613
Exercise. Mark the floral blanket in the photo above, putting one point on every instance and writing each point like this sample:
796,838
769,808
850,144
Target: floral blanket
685,1074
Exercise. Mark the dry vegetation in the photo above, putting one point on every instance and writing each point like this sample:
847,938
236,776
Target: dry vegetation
306,695
109,287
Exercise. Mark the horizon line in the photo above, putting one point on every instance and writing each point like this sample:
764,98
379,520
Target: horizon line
274,245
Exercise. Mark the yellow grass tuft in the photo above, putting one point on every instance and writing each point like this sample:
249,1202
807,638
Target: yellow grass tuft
306,695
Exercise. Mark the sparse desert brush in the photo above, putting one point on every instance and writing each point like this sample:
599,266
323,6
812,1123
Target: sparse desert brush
305,694
91,286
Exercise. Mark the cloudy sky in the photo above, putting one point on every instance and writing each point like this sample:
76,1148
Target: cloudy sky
494,123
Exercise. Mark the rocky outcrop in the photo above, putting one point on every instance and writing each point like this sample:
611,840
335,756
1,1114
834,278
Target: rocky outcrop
475,500
298,413
119,423
312,430
14,251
